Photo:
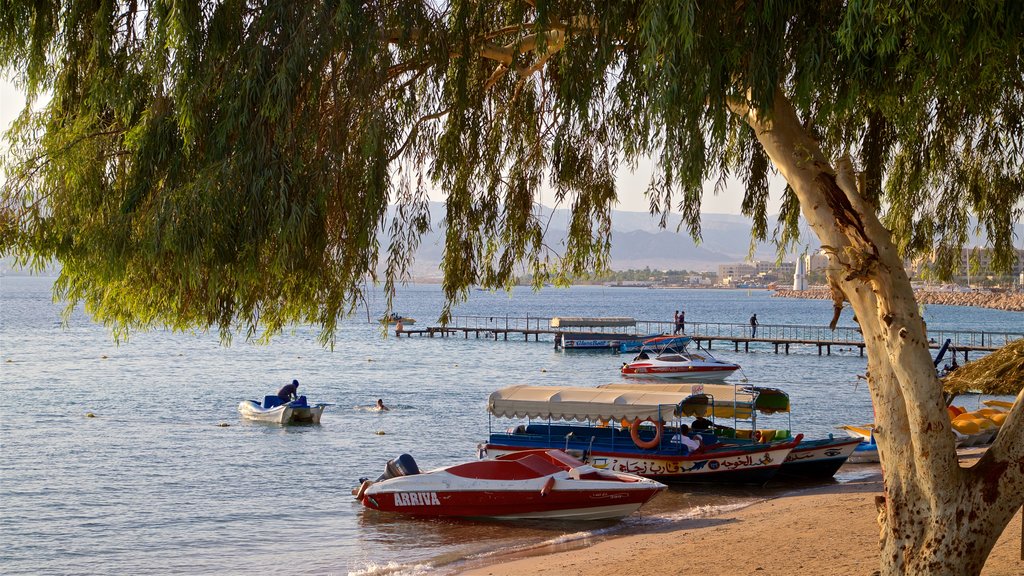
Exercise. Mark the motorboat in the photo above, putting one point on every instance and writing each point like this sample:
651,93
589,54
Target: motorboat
274,410
523,485
736,403
635,430
668,357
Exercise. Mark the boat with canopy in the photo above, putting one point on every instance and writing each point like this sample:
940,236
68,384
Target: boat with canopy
740,403
637,430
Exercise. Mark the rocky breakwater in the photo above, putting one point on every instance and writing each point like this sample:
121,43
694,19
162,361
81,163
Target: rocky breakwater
1012,301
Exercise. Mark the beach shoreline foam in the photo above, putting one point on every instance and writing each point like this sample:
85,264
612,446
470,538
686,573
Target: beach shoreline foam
821,530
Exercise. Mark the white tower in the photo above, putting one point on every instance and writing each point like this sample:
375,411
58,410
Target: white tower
800,275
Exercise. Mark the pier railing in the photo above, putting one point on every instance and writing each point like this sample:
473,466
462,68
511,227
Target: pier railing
721,330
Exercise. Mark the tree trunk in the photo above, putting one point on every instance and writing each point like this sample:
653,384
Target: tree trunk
936,517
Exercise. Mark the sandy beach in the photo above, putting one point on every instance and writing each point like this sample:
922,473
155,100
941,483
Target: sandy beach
825,530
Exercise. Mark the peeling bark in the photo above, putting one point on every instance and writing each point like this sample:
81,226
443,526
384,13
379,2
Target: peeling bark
935,518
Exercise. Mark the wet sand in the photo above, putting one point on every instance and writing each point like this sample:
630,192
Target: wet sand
826,530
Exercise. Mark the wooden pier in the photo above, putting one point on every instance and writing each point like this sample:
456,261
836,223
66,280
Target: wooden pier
782,338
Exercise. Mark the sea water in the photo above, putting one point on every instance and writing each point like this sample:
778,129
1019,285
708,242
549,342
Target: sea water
132,458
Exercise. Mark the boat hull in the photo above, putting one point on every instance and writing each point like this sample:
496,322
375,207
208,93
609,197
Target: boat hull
819,458
285,414
865,453
531,484
679,373
596,340
755,464
504,504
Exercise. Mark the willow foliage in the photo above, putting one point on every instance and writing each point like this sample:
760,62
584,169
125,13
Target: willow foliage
230,164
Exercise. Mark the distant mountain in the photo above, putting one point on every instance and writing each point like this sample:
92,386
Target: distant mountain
637,241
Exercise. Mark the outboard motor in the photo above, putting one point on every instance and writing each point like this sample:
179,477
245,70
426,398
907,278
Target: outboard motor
404,465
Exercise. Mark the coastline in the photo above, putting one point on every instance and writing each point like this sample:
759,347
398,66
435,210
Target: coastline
828,529
1009,301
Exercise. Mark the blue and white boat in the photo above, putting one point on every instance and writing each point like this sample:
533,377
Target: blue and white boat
278,412
818,458
650,442
598,340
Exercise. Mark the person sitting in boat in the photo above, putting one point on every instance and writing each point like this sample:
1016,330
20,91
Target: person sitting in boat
289,392
380,405
683,437
702,423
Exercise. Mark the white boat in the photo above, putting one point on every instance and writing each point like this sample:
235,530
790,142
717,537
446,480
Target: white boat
532,484
273,410
668,357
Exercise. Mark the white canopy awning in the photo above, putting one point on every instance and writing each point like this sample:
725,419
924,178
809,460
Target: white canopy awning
579,322
592,404
725,396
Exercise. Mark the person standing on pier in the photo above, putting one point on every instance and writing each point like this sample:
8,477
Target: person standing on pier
753,326
675,323
681,322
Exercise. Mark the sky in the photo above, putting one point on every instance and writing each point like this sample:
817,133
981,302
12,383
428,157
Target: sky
631,185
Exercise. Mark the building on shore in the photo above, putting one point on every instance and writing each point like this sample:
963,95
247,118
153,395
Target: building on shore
973,269
800,276
757,272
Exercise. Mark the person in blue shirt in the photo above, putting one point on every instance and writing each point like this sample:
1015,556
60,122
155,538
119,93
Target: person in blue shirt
289,392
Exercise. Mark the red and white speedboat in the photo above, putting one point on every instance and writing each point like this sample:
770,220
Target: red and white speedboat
529,484
668,357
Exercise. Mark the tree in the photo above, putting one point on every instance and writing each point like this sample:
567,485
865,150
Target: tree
229,163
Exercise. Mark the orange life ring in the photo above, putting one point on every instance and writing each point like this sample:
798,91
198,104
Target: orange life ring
634,433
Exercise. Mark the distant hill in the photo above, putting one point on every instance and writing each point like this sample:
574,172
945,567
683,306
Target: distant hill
637,241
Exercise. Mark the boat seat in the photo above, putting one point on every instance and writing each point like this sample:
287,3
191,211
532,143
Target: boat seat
271,401
584,472
531,466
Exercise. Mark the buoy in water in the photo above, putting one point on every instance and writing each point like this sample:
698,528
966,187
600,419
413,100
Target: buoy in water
223,425
380,432
90,415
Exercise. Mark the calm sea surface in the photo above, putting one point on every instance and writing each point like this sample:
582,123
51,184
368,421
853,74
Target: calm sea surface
154,484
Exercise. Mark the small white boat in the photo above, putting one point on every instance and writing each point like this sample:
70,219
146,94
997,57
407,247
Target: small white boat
273,410
531,484
668,357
